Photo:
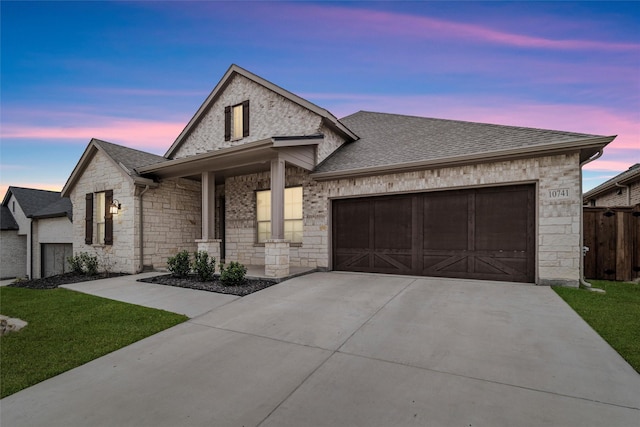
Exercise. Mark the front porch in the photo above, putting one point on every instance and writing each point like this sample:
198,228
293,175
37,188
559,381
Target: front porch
229,216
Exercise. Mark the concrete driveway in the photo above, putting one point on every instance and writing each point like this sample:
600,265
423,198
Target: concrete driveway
341,349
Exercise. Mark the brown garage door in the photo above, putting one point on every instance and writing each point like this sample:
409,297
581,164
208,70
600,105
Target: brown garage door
485,233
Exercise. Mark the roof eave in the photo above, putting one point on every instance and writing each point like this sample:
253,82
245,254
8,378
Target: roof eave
601,189
82,164
536,151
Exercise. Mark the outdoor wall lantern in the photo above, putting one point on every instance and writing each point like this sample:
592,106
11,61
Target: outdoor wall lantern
114,207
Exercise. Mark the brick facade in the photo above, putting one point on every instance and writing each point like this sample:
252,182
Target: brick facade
612,198
13,254
557,216
265,106
171,221
103,174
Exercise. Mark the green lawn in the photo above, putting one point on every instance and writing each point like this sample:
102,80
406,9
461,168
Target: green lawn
65,330
614,315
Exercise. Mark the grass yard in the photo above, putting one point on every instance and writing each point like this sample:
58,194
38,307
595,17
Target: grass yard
614,315
65,330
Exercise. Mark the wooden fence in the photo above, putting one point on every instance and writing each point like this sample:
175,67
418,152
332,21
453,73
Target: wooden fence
613,238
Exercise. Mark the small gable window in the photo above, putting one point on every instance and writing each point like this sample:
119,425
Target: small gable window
236,121
98,219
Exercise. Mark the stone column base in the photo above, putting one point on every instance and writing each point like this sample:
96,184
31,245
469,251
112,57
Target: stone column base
276,258
211,246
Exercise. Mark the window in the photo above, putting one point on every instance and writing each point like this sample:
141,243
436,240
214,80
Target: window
13,206
236,121
98,221
292,214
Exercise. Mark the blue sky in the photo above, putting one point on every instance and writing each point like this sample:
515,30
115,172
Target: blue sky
134,73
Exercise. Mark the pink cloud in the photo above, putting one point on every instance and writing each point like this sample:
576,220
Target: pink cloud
363,22
144,134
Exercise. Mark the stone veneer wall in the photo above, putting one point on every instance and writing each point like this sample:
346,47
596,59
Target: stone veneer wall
100,175
612,198
171,220
13,254
557,216
271,115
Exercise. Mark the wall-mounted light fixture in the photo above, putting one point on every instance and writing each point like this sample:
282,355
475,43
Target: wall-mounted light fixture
114,207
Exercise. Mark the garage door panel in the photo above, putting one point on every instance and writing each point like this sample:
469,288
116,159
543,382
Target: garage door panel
476,233
351,220
501,220
445,222
392,223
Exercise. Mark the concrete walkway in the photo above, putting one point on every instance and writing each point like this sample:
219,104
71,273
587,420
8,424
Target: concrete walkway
340,349
170,298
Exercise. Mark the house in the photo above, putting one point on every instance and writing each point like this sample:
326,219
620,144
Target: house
36,233
621,190
262,176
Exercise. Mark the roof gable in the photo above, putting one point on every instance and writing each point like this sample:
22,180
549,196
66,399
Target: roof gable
393,141
232,73
31,200
126,159
625,178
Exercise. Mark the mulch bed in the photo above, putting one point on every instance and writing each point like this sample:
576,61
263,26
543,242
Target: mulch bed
250,286
53,282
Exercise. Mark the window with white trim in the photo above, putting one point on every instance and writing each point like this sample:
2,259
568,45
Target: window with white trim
292,215
100,217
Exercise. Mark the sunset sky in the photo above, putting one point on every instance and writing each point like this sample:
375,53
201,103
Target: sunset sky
134,73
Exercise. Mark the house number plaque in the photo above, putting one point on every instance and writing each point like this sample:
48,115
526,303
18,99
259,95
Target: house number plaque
559,193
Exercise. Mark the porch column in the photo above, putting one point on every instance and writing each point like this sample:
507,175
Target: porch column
208,242
276,249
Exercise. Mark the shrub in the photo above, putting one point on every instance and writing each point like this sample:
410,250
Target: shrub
233,275
179,264
90,263
83,263
75,262
203,266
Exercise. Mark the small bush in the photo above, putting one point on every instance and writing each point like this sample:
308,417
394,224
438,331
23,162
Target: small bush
83,263
203,266
90,263
233,275
75,262
179,264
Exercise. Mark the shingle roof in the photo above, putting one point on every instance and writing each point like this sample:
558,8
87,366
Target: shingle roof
61,207
7,222
129,157
31,200
631,174
392,139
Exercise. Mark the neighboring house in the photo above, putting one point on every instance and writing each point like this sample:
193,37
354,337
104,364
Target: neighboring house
264,177
36,233
621,190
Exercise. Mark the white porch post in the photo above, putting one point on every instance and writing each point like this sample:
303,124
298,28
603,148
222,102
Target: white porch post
208,242
276,249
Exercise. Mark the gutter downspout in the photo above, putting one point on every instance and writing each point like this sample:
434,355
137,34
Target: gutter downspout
628,192
141,243
582,281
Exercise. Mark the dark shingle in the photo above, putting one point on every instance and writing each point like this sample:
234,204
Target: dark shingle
61,207
392,139
129,157
7,222
32,200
